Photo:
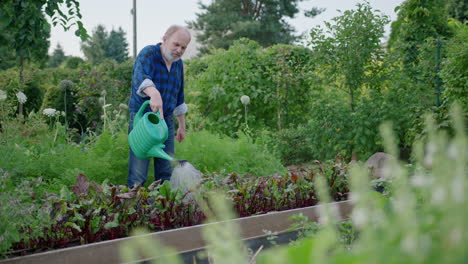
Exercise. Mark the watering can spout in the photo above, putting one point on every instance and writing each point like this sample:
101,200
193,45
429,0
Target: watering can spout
158,152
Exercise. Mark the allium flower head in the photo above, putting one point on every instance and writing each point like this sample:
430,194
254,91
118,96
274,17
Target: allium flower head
21,97
245,99
65,85
3,95
49,112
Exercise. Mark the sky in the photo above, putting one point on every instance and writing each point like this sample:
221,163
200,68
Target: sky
155,16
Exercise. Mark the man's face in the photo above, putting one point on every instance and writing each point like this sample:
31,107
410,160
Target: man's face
174,47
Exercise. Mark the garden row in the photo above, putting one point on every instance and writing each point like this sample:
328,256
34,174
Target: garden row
90,212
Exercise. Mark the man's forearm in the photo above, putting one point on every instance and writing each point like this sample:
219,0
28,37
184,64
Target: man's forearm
181,121
151,91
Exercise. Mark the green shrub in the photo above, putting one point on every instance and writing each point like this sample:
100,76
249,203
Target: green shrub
73,62
276,79
35,149
294,146
454,73
32,87
334,128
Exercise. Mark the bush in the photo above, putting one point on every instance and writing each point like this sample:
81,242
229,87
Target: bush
454,68
276,79
73,62
294,146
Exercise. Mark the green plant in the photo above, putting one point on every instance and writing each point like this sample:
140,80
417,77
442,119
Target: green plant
209,152
453,72
294,146
423,220
350,48
276,79
19,202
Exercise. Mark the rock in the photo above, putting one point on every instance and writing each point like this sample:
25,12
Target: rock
376,164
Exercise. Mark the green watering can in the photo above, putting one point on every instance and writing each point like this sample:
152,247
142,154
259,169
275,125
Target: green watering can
148,135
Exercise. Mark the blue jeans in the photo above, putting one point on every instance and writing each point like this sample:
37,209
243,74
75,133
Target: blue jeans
138,168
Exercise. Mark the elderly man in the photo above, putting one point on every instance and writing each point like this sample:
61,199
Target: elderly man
158,75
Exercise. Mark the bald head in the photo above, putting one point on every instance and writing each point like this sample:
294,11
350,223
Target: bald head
175,42
176,28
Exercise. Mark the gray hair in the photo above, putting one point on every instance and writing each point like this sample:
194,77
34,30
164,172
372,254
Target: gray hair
174,28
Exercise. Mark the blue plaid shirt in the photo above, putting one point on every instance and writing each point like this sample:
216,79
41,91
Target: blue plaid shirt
150,69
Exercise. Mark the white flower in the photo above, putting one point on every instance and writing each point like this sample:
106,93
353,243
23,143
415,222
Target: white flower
429,158
49,112
421,180
359,216
3,95
456,236
103,93
453,151
21,97
409,244
354,197
438,195
245,99
458,189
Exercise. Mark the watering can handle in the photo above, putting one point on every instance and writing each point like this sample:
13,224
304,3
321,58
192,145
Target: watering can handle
140,112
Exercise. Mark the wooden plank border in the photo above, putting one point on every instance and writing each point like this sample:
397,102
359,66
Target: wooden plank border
183,239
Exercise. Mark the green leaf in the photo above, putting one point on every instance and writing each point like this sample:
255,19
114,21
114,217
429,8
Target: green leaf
65,194
74,226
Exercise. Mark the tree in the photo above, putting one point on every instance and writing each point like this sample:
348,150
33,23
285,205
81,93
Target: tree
416,22
7,53
349,47
58,56
117,46
94,48
103,45
224,21
454,72
29,30
458,9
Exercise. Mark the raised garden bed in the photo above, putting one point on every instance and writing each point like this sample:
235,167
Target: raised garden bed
89,213
185,240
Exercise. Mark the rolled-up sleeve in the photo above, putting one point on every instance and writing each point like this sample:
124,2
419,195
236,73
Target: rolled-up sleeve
145,84
181,109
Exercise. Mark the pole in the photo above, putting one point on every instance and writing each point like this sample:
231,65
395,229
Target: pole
134,13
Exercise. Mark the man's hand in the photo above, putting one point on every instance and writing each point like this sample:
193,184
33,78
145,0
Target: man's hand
156,103
180,134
